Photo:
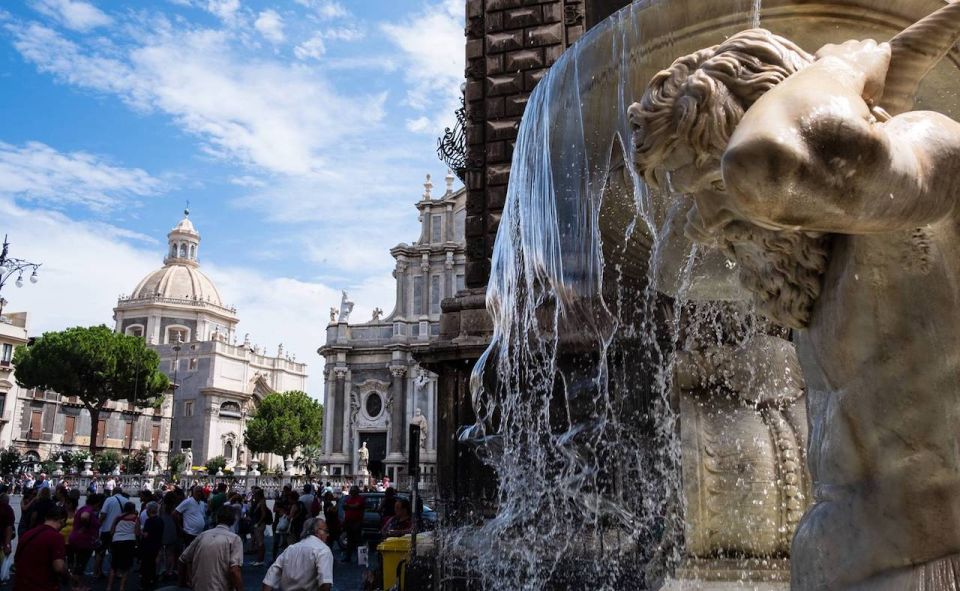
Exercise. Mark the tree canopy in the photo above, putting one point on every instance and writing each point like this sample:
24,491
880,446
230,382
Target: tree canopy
94,364
283,422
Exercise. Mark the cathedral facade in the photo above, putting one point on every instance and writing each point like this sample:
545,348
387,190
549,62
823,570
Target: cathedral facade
218,381
373,387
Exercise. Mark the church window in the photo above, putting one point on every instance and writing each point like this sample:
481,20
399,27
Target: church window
194,362
174,365
7,353
459,221
188,408
436,224
173,250
435,294
228,450
230,409
183,251
193,251
186,443
374,405
135,330
418,307
173,332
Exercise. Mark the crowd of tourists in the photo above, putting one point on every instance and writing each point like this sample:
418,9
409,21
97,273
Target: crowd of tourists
194,538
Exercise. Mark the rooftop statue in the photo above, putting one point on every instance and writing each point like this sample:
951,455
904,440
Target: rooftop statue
842,220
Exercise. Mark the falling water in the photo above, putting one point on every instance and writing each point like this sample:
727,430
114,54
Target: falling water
574,394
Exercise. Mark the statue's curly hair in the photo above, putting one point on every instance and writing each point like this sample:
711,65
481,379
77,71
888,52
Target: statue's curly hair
701,97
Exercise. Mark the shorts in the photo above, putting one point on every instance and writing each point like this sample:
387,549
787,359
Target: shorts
77,559
105,539
258,535
122,554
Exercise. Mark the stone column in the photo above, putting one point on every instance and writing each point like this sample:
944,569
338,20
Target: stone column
348,445
329,408
398,422
338,404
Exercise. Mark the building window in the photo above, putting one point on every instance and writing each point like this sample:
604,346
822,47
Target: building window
460,282
230,410
193,251
177,332
374,405
435,294
459,221
7,353
135,330
418,307
173,250
228,450
436,225
183,251
3,402
186,444
193,363
70,429
188,408
174,365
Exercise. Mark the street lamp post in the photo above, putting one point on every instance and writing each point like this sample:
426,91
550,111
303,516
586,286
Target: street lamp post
10,266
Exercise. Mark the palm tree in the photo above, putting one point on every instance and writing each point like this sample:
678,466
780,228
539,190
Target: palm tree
309,458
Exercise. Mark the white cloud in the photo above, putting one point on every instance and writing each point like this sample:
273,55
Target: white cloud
86,266
419,124
225,10
432,45
270,26
349,33
275,115
327,9
74,14
312,48
35,171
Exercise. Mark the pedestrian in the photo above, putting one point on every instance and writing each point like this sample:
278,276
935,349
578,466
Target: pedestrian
123,545
171,537
260,517
281,507
331,514
109,486
28,499
190,515
354,507
306,565
213,560
111,509
41,555
387,505
217,500
83,539
150,536
401,523
281,532
307,498
298,515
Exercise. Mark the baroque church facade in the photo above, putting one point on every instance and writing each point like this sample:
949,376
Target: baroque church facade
218,381
373,387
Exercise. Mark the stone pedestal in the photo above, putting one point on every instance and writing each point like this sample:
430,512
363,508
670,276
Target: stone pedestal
256,467
288,467
86,468
240,471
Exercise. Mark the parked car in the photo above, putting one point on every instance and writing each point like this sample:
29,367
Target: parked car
371,518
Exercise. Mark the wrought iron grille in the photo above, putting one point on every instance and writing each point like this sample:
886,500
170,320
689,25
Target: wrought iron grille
452,146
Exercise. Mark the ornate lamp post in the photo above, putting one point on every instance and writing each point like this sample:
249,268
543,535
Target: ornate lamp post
11,266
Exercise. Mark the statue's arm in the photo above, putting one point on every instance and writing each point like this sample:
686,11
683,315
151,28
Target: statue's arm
809,154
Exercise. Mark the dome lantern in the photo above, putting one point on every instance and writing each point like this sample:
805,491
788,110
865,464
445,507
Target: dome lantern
183,242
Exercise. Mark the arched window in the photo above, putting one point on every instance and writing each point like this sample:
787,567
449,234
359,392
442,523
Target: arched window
135,330
183,251
173,250
193,251
230,409
177,331
228,449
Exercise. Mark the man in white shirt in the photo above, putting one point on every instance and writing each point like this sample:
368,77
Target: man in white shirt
111,509
306,565
190,515
213,560
109,486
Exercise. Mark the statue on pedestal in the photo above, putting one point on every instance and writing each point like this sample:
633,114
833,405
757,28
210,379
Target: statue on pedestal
187,460
149,465
363,459
840,210
421,421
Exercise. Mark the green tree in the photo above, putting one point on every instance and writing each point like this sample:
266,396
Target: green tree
10,460
283,422
107,461
215,464
175,464
309,458
136,462
94,364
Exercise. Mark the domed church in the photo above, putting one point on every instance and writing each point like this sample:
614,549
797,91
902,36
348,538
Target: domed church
219,382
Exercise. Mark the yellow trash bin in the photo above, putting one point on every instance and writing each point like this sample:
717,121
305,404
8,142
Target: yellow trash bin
392,552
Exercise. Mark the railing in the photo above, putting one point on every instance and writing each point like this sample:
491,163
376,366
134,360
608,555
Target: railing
182,301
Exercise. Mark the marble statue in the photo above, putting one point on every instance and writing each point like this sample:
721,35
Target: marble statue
346,307
841,216
242,457
149,467
377,313
333,314
363,458
421,421
187,460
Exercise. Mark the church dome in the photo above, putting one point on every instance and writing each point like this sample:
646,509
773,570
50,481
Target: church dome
179,282
180,278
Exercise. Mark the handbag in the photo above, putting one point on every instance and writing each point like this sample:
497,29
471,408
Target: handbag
283,524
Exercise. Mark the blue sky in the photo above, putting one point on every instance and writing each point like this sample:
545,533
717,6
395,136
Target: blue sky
299,131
